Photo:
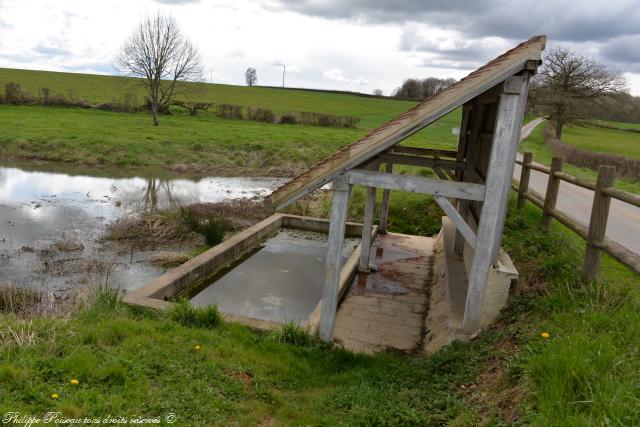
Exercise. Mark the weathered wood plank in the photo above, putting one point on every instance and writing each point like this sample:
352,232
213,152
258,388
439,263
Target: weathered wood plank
415,184
384,206
525,173
460,223
498,182
553,185
425,162
367,226
401,149
339,205
598,223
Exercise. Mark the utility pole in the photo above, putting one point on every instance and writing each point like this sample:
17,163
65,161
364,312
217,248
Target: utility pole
284,69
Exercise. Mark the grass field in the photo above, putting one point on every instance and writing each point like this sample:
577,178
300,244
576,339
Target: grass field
542,154
203,143
619,125
604,140
131,363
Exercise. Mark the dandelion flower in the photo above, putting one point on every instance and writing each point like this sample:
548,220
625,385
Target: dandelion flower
545,335
197,347
55,396
75,381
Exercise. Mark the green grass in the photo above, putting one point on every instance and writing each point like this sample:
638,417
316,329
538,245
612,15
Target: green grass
619,125
603,140
134,363
99,89
535,143
203,143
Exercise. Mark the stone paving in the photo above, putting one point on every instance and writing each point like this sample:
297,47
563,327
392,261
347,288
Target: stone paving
387,308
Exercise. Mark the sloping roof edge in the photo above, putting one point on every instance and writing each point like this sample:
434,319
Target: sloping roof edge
411,121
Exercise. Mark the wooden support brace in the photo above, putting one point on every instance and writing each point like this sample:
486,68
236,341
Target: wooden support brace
367,225
416,184
384,206
498,182
340,203
460,223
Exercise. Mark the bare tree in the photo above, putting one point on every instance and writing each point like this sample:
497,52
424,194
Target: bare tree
251,76
377,92
162,57
568,84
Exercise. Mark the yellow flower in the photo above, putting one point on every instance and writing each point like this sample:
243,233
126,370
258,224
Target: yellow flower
75,381
197,347
545,335
55,396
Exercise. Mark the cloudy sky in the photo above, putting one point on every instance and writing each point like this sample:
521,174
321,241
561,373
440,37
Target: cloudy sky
356,45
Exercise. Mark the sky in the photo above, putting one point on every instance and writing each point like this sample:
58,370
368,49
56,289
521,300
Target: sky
357,45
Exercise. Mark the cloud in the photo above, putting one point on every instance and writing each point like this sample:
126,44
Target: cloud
178,2
336,75
51,50
586,20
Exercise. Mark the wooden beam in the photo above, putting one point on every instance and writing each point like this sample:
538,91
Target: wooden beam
460,223
498,183
425,162
367,226
339,204
441,174
423,151
415,184
384,206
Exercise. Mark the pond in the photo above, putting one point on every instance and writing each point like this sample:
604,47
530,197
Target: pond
281,281
51,221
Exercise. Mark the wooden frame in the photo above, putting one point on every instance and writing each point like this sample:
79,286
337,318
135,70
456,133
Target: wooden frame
415,184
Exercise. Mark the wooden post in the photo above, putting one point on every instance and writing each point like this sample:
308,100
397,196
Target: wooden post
553,185
527,158
470,157
367,225
339,205
497,186
384,206
598,223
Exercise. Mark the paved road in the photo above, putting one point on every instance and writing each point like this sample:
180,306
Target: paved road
624,220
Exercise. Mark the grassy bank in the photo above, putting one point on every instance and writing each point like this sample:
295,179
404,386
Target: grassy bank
204,143
585,373
535,143
604,140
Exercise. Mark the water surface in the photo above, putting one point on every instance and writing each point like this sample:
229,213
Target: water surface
280,282
39,208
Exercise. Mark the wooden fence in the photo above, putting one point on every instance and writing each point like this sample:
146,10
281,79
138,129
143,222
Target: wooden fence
594,234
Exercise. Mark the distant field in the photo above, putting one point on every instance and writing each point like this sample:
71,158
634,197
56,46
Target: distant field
604,140
202,143
535,143
619,125
99,89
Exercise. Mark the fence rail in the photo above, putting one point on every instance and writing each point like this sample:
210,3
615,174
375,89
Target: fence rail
594,233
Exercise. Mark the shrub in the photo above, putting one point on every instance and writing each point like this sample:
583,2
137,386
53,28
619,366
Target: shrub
230,111
185,314
288,119
212,226
326,120
15,94
291,333
261,115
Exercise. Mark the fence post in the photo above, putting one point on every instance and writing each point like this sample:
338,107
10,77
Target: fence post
552,191
598,223
527,158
